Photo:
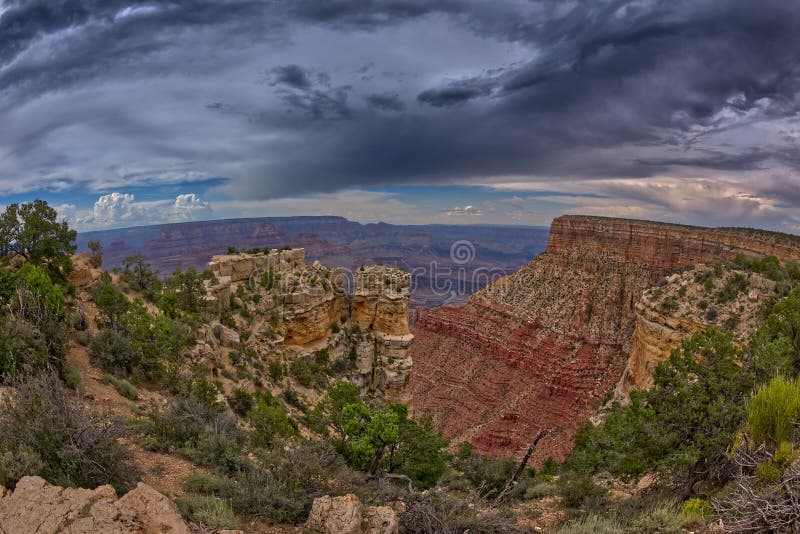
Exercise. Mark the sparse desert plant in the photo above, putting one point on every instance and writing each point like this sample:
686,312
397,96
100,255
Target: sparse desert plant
209,511
43,432
662,518
113,352
591,524
123,387
270,423
442,513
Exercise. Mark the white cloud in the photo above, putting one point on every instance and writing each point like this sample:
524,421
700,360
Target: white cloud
190,207
116,208
466,210
119,209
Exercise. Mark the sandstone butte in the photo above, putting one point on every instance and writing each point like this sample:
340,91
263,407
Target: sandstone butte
308,309
544,346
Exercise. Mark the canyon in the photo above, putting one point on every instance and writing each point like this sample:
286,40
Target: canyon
424,251
546,346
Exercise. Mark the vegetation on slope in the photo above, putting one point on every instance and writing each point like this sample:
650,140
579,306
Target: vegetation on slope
717,432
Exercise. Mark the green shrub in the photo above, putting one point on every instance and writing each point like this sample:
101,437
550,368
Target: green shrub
123,387
209,511
696,511
84,338
111,302
669,304
21,344
663,518
240,401
579,490
205,483
774,409
302,372
72,378
113,352
44,433
216,449
270,423
38,301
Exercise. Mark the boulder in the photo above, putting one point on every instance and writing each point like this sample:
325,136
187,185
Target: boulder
335,515
346,515
227,336
36,506
152,510
381,520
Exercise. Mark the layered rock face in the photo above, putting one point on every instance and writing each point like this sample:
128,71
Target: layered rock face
537,349
543,347
380,306
300,309
667,246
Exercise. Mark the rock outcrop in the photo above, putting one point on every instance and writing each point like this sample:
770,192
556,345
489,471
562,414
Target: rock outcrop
360,319
346,515
543,347
83,273
685,304
36,506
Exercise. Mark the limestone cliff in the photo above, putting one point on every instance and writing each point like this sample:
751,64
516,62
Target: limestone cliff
294,310
685,304
544,346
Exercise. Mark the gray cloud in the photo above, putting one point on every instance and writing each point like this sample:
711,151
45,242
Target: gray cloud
102,93
293,76
385,102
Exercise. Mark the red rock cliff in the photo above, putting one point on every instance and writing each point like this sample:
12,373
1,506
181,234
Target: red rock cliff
543,346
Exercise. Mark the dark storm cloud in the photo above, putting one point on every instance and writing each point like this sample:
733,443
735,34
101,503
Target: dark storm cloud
595,89
370,14
385,102
452,95
293,76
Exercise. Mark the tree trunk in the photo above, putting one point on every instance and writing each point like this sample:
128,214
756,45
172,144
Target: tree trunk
520,468
373,468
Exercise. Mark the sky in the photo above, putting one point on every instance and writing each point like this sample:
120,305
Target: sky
128,112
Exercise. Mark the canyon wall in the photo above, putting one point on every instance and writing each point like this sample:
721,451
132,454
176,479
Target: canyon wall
667,246
545,346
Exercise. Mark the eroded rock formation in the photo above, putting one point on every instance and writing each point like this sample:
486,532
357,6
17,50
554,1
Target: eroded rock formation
346,515
299,309
543,347
36,506
685,304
